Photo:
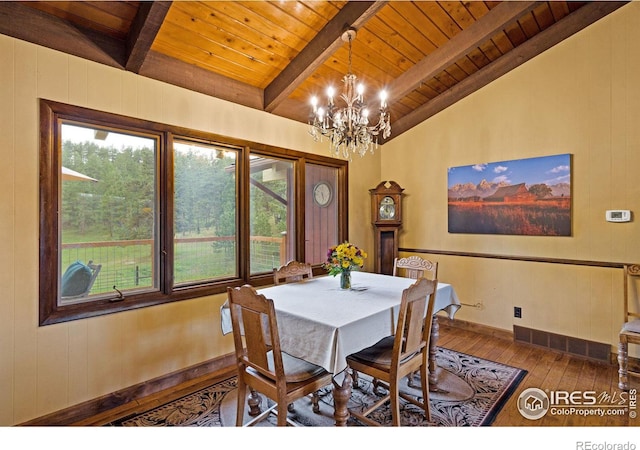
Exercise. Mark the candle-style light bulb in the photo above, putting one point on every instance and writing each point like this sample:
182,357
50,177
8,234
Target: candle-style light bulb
314,103
330,94
383,99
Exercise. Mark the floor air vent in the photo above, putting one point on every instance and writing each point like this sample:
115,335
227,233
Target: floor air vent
575,346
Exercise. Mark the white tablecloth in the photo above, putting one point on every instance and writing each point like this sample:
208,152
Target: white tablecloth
323,324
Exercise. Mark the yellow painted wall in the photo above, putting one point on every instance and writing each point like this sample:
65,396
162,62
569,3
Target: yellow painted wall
45,369
581,97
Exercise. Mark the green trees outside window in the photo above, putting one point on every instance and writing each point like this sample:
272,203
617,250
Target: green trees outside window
146,213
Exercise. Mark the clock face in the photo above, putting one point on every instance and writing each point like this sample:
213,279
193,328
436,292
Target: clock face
322,193
387,208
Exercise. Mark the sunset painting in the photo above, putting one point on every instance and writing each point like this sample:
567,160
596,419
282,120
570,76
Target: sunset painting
520,197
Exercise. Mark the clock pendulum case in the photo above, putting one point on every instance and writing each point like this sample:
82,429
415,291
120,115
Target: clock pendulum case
386,217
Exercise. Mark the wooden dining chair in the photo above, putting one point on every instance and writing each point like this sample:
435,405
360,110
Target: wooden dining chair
262,366
292,271
415,267
407,351
630,331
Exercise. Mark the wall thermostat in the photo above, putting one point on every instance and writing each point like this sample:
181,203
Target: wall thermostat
618,215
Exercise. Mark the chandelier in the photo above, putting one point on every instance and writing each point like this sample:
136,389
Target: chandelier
347,127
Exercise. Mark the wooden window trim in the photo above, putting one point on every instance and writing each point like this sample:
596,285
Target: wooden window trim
52,112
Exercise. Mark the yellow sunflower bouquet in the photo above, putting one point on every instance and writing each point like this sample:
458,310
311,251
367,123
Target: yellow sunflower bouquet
344,257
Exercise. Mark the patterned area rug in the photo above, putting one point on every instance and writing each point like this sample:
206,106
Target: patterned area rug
471,391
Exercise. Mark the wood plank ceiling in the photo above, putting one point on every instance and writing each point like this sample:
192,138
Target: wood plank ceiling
274,55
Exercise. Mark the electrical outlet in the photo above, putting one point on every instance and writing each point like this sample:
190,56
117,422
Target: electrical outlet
517,312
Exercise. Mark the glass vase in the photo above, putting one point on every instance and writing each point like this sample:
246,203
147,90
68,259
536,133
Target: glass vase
345,279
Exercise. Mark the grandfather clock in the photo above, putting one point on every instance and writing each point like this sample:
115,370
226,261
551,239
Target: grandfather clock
386,217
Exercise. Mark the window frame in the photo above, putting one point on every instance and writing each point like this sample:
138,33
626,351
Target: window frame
51,115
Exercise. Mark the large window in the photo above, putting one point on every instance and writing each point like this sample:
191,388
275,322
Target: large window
136,213
109,212
205,234
273,231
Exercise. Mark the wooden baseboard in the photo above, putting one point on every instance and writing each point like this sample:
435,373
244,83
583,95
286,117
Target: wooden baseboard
475,327
218,368
221,368
128,399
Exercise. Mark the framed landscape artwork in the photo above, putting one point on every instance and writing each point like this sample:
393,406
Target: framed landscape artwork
520,197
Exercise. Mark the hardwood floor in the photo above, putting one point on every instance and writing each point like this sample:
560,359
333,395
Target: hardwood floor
547,370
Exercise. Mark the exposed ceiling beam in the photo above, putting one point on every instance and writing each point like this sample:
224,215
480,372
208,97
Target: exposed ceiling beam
459,46
169,70
31,25
321,47
143,32
564,28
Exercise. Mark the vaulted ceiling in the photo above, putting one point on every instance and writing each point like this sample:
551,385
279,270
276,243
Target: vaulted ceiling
275,55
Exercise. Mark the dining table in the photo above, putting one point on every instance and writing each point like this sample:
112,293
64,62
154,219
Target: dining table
321,323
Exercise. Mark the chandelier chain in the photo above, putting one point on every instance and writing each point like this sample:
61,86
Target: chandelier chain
350,42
